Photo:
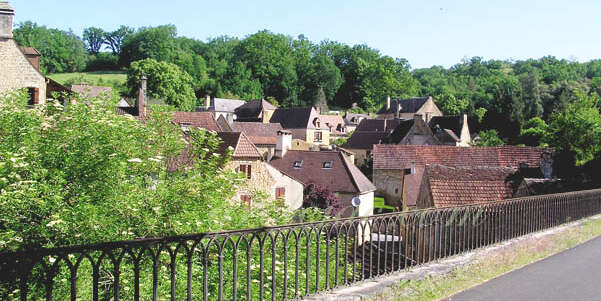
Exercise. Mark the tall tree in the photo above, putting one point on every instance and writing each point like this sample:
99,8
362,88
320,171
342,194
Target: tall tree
94,38
114,39
149,42
533,106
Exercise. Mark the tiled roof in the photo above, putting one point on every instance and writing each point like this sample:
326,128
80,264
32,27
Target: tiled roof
400,131
87,91
453,186
410,105
252,109
203,120
378,125
341,177
334,123
242,146
29,50
402,156
258,132
365,140
296,118
225,105
354,119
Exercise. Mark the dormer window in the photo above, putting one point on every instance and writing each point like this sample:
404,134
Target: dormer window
317,123
298,164
328,164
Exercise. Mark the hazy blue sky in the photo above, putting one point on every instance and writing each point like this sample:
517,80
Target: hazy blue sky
424,32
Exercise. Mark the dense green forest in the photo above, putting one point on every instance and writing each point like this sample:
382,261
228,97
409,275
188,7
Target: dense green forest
514,100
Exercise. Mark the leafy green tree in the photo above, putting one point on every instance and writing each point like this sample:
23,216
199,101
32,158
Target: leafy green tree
114,39
533,132
450,105
489,138
166,81
320,102
94,38
61,51
576,130
156,43
531,96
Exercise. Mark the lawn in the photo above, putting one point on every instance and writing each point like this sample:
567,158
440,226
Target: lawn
115,79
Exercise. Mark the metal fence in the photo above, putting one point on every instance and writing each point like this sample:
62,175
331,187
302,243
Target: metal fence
278,263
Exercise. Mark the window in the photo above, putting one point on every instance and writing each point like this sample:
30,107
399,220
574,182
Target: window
317,137
298,164
280,192
246,199
34,96
328,164
246,169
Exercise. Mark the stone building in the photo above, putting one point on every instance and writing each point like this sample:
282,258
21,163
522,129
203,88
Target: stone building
407,108
398,170
304,124
262,135
352,120
16,70
336,125
368,133
255,111
221,107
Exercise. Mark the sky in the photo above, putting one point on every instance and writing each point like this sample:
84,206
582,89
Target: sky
426,33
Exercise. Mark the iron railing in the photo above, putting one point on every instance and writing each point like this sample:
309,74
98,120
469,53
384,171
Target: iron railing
278,263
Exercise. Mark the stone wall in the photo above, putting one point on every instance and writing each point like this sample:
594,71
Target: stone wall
16,72
389,185
325,137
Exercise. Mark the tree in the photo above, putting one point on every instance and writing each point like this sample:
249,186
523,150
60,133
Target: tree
531,96
114,39
533,132
61,51
489,138
320,102
576,131
322,197
450,105
94,38
166,81
156,43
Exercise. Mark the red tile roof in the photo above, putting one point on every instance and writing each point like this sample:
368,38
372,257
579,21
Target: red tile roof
258,132
402,156
333,122
242,146
454,186
203,120
87,91
342,177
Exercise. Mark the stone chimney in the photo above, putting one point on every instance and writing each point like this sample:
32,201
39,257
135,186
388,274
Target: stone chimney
207,102
141,100
283,143
388,103
7,15
397,110
465,136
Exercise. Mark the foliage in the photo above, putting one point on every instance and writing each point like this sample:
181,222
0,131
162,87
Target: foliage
576,131
149,43
340,142
533,132
61,51
103,61
165,81
488,138
451,105
320,196
94,39
114,39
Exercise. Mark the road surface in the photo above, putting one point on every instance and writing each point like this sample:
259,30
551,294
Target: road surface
572,275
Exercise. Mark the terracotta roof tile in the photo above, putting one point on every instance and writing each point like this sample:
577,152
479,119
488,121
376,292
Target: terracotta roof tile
203,120
87,91
411,105
258,132
242,146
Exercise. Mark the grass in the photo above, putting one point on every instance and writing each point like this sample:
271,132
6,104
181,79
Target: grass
115,79
380,203
493,265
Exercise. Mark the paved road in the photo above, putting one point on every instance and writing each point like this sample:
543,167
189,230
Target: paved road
571,275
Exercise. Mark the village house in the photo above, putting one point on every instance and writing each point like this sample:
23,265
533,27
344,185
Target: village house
262,135
336,125
88,91
368,133
407,108
352,120
398,170
444,186
221,107
304,123
255,111
16,69
328,168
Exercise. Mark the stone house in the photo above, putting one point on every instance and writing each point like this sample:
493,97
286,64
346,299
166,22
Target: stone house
398,170
407,108
368,133
335,124
16,69
352,120
445,186
262,135
304,123
221,107
255,111
328,168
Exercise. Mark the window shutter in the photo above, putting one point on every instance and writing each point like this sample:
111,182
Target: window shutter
280,192
36,96
248,171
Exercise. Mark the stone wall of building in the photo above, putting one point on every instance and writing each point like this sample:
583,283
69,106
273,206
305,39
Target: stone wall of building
325,137
389,185
16,72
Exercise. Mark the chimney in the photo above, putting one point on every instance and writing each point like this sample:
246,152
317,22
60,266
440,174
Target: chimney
384,126
7,15
207,102
465,136
397,112
141,101
283,143
388,103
